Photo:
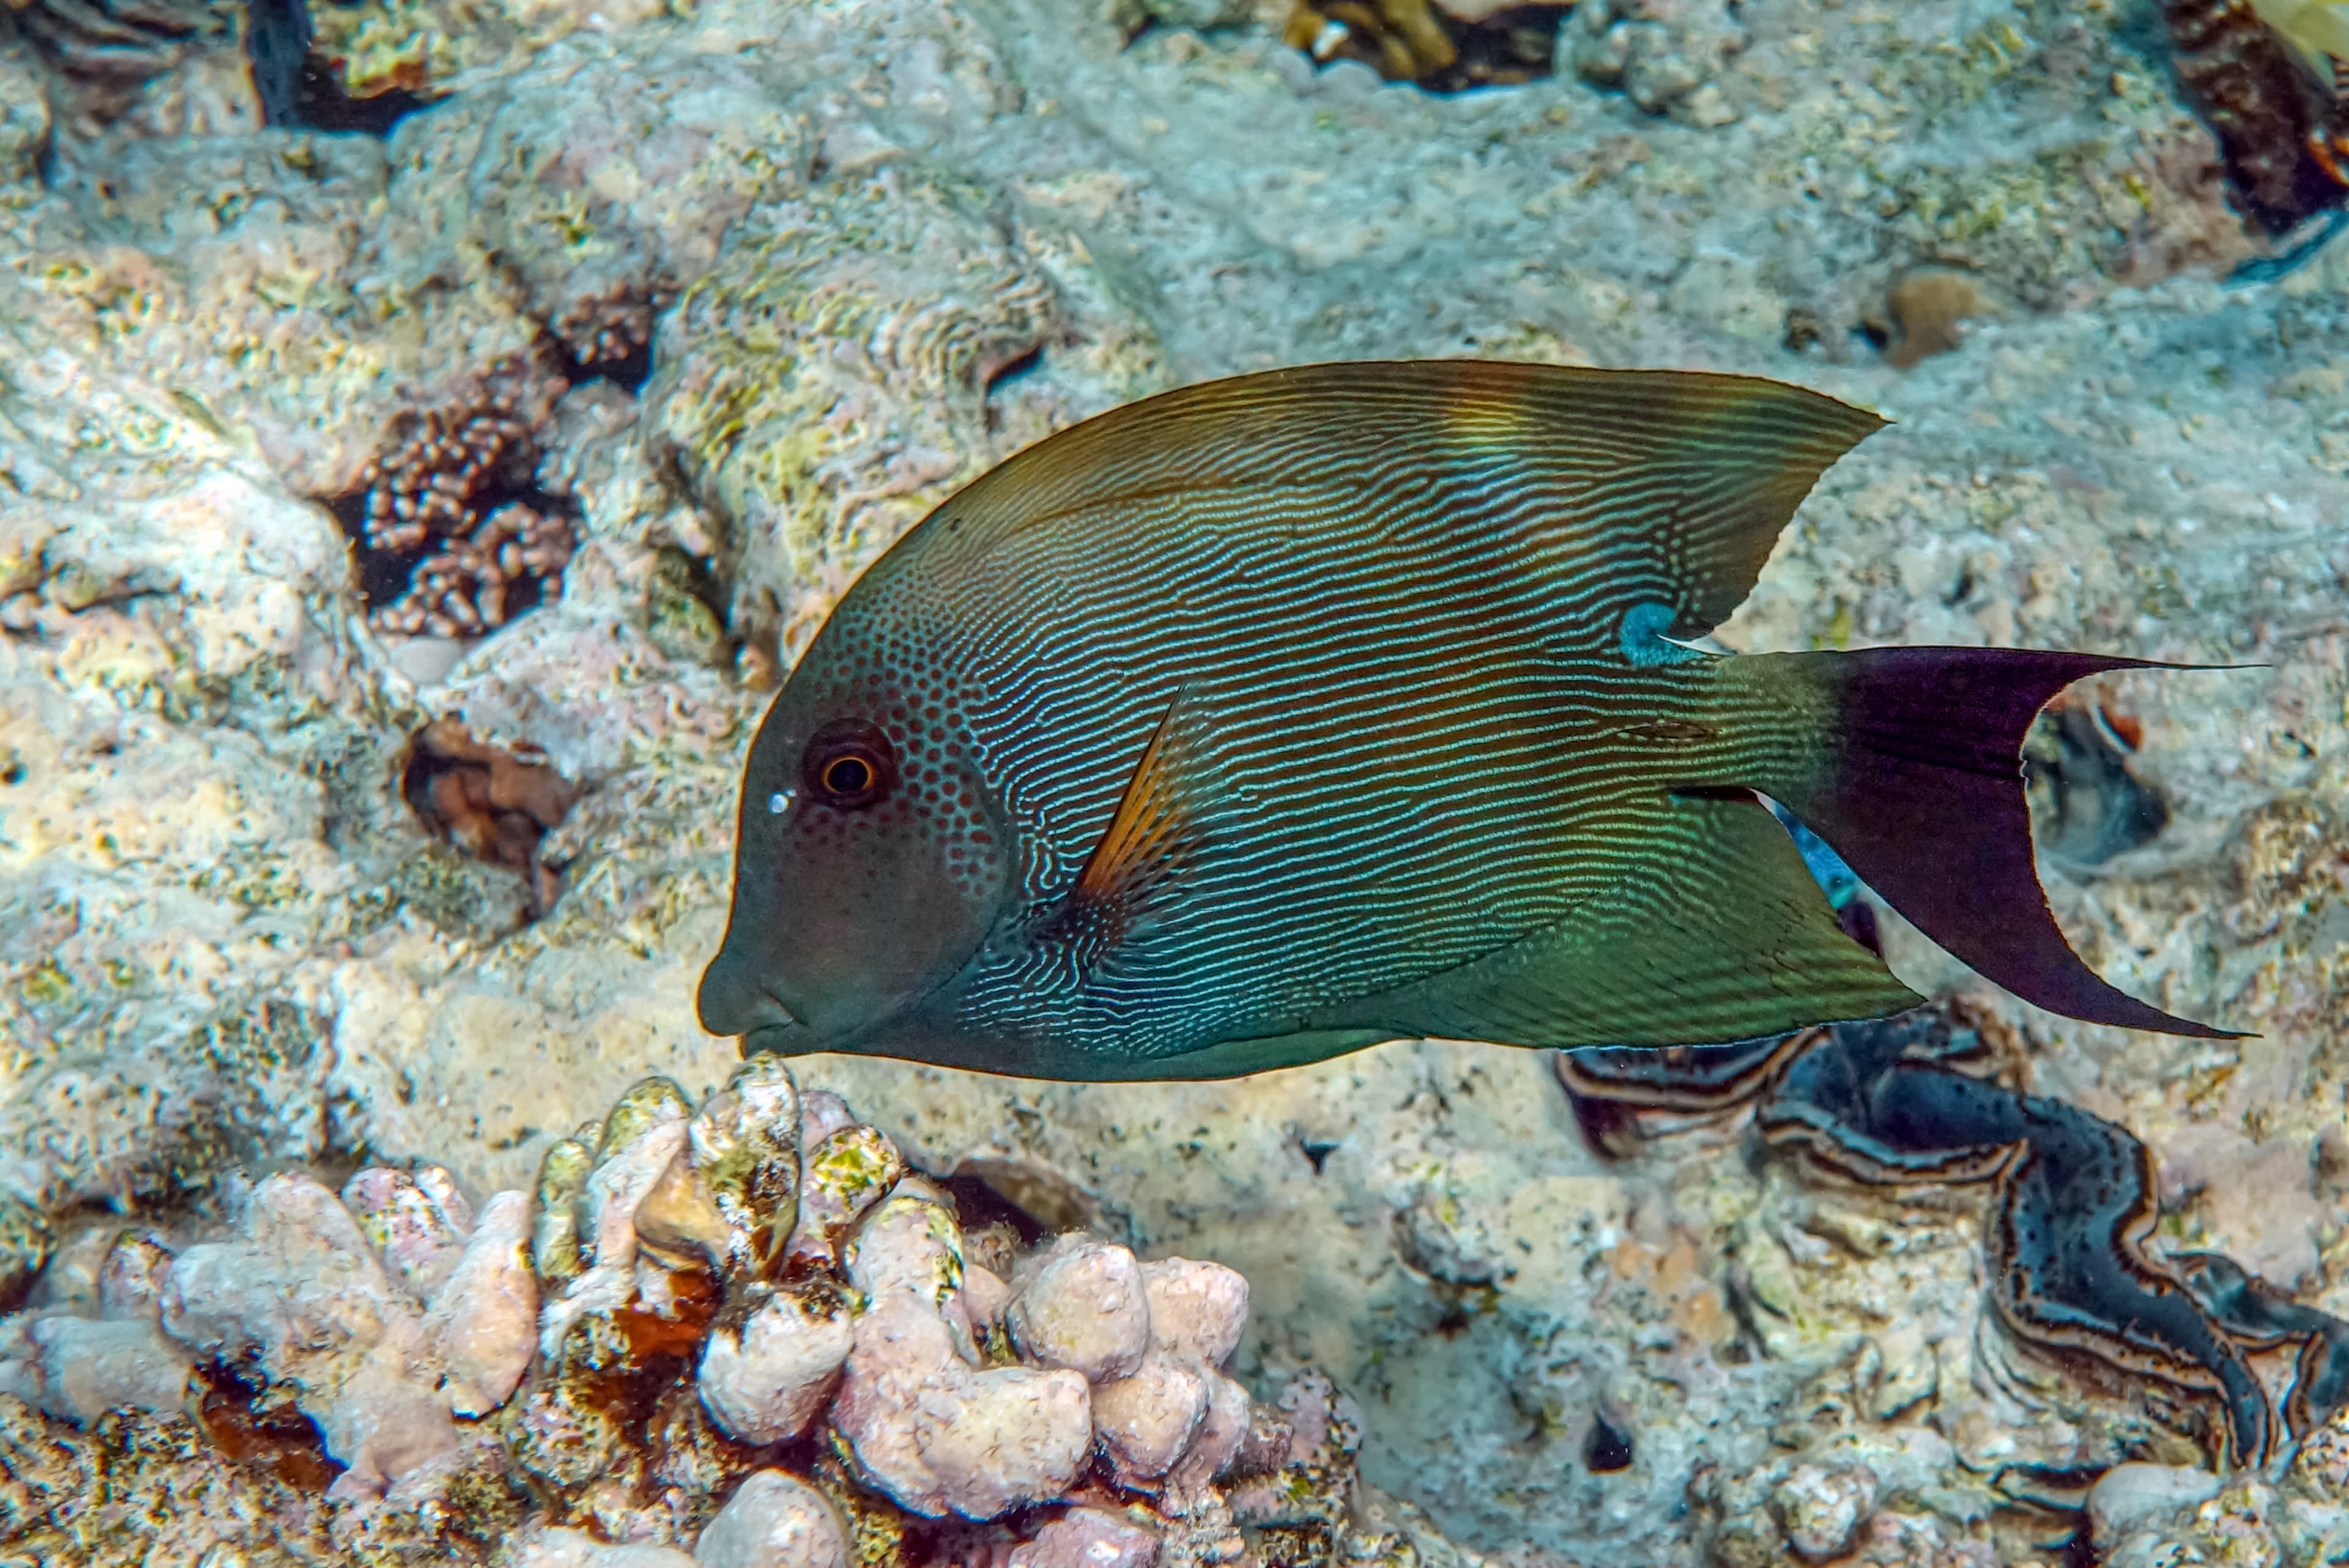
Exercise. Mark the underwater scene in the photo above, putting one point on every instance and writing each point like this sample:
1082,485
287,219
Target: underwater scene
1174,784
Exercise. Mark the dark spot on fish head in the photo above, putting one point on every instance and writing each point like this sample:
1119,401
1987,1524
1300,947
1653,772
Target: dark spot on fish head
871,863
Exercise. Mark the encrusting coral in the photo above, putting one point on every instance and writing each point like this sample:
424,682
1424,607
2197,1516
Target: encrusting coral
742,1328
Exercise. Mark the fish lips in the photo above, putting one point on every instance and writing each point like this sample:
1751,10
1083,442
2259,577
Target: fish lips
731,1001
790,1039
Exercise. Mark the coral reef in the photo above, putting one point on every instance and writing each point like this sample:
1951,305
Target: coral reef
765,283
649,1343
451,545
1665,55
2075,1203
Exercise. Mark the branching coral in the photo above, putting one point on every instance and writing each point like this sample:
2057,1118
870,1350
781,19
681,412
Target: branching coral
455,538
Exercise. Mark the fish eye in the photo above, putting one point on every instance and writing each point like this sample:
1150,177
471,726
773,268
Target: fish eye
849,765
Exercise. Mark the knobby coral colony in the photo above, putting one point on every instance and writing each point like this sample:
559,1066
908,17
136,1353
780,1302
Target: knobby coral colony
1886,1104
694,1303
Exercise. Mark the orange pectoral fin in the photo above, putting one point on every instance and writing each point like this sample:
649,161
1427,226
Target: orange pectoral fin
1151,834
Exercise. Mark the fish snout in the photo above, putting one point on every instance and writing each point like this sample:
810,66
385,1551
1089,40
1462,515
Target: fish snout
733,999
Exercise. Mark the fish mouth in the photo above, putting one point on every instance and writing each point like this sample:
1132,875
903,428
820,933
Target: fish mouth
788,1038
730,1002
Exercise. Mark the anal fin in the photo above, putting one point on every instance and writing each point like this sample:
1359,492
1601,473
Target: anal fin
1722,936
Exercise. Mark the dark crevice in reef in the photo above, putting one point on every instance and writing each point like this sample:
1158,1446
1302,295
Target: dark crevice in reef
2283,134
497,805
980,1206
1411,40
1005,376
254,1426
629,368
1606,1449
321,104
610,338
2089,804
299,89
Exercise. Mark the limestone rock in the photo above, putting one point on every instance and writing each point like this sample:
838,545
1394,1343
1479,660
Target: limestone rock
774,1519
1083,1306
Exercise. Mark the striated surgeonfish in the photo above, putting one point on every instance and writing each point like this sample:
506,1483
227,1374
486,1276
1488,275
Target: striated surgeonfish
1278,716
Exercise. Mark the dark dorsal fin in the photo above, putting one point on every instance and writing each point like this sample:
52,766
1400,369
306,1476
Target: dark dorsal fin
1682,479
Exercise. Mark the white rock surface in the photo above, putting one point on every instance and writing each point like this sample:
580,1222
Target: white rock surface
765,1380
2134,1493
774,1519
89,1367
483,1320
558,1547
1081,1304
1199,1309
1147,1419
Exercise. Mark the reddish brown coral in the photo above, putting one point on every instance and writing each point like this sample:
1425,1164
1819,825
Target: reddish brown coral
494,804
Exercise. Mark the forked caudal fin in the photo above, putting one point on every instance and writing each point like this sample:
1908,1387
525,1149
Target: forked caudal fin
1920,791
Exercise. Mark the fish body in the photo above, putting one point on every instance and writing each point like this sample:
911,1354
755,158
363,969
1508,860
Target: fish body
1278,716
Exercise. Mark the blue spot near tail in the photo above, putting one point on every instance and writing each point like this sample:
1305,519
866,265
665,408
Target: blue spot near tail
1837,880
1644,640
